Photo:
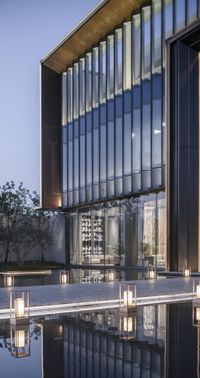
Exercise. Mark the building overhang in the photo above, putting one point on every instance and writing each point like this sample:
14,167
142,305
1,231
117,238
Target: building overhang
94,27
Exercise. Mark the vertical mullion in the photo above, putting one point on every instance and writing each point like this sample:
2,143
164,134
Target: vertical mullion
114,125
132,73
163,64
123,99
107,101
92,119
141,93
151,88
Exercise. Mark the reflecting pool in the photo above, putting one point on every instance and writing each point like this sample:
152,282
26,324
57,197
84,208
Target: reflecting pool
151,341
74,276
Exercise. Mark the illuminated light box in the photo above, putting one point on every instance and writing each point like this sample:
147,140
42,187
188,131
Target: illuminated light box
19,307
187,272
127,296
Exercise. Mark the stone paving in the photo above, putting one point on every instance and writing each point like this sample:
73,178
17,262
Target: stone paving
79,293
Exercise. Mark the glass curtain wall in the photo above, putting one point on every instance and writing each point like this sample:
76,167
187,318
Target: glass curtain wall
129,232
113,107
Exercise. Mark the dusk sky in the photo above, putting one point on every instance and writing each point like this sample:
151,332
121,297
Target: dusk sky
29,29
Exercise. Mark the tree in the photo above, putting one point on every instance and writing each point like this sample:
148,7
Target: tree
15,216
21,226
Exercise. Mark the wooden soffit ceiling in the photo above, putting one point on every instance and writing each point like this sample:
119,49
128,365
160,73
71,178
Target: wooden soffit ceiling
101,21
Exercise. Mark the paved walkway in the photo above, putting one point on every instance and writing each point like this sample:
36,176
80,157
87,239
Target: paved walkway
74,297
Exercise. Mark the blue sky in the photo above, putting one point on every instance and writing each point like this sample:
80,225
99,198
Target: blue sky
29,29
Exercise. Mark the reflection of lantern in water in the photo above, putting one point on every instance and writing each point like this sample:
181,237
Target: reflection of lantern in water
20,338
8,280
19,341
128,323
64,278
152,272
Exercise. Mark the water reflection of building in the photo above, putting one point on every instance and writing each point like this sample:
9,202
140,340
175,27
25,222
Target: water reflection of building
91,352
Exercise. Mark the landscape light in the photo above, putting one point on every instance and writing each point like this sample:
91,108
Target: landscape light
187,272
19,307
127,296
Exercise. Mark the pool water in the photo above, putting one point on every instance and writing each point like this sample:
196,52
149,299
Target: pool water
77,276
151,341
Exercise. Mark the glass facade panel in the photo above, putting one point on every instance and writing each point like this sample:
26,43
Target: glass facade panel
110,67
127,133
103,143
146,125
118,61
82,152
156,121
110,140
118,138
136,133
168,12
82,85
76,90
88,81
76,154
95,146
127,56
95,79
179,14
191,11
70,157
89,149
146,42
136,46
102,82
157,48
70,95
64,99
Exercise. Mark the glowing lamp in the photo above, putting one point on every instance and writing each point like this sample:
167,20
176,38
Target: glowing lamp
198,291
19,308
64,277
198,314
187,272
128,298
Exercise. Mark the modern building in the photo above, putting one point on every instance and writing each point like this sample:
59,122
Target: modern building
120,134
